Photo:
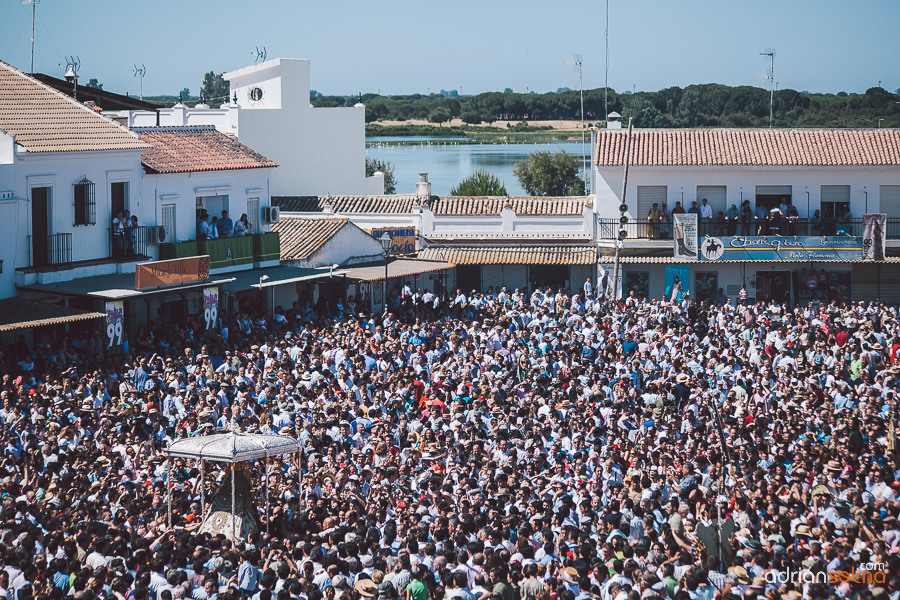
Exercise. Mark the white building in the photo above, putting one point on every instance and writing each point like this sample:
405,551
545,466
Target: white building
831,176
320,150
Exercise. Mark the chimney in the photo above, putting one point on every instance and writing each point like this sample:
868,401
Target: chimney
423,188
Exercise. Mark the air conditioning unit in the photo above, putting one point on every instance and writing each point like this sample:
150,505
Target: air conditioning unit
156,235
271,214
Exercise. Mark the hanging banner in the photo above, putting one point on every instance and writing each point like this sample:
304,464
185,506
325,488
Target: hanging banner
786,248
115,323
685,226
210,306
678,278
165,272
874,228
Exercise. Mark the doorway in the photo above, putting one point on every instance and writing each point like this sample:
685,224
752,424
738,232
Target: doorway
554,276
774,285
40,226
468,278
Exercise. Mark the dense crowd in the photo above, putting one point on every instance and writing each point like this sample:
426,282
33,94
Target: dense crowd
480,446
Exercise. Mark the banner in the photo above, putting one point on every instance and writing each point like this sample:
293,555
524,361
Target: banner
115,323
678,278
210,306
166,272
685,226
403,240
787,248
874,228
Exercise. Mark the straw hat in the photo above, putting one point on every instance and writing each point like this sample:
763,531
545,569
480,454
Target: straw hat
802,530
569,574
682,378
834,465
366,587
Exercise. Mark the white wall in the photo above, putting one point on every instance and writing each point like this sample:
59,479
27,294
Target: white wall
508,225
349,246
742,182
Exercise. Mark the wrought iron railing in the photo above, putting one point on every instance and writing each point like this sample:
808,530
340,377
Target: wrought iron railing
48,250
643,229
128,245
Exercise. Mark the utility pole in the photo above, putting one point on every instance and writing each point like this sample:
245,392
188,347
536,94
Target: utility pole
623,208
33,4
577,64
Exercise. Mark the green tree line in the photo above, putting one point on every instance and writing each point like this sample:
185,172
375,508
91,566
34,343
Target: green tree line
707,105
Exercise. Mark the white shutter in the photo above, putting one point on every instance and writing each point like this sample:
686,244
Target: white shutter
836,193
773,190
646,196
716,196
168,222
889,200
253,213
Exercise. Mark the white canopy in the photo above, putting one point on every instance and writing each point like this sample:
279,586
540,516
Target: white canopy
233,447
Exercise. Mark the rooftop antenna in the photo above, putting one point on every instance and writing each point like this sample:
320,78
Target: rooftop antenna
606,81
576,66
140,71
33,4
72,64
260,55
770,75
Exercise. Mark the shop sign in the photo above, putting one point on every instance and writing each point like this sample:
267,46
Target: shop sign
786,248
403,240
166,272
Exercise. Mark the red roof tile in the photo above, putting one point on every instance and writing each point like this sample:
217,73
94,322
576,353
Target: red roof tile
751,147
198,148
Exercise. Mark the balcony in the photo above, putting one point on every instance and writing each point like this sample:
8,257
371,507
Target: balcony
228,252
607,229
129,246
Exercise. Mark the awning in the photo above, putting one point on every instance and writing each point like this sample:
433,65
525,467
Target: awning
233,447
401,267
17,313
669,260
247,280
116,287
512,255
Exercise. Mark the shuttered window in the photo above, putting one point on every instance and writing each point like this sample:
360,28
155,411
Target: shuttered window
646,196
889,200
836,193
252,214
168,222
716,196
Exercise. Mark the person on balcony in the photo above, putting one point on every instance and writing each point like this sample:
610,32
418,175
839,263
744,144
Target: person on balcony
203,226
133,233
762,220
653,218
732,218
746,218
706,217
129,247
242,227
214,229
118,231
665,222
225,225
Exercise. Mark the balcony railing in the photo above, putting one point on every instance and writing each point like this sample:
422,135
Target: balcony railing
607,229
227,252
130,245
50,250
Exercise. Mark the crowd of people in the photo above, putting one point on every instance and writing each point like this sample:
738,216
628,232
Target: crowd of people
504,445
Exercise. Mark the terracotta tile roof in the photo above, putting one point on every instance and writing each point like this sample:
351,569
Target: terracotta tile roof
512,255
751,147
44,120
16,313
387,204
196,148
521,205
301,238
670,260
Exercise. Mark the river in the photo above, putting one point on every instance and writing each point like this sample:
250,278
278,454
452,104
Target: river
448,161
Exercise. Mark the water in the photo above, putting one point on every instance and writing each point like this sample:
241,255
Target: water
449,161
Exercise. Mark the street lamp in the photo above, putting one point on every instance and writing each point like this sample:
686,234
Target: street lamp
386,241
261,279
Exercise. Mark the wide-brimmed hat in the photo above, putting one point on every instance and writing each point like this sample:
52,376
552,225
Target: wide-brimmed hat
802,531
569,574
366,587
834,465
682,378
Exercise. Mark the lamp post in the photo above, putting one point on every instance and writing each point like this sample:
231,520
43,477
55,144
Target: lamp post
261,279
386,241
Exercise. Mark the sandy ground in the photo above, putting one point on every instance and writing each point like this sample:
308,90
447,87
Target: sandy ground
556,125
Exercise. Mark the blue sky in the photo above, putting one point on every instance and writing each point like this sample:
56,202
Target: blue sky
407,46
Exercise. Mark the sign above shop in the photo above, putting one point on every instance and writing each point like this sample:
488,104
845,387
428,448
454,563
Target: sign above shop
786,248
167,272
403,240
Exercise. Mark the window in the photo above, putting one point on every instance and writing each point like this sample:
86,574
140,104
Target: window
85,203
256,94
168,222
252,214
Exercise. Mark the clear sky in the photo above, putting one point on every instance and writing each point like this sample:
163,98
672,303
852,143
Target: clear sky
408,46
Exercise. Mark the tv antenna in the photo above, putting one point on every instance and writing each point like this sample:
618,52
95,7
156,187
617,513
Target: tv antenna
260,55
770,75
140,71
577,63
72,65
33,4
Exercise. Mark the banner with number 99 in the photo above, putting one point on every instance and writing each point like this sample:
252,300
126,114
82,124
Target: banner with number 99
115,323
210,306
